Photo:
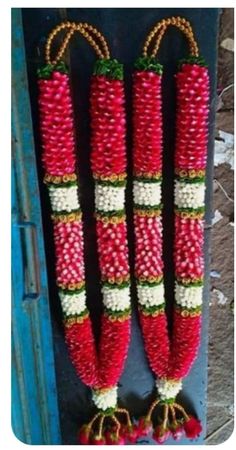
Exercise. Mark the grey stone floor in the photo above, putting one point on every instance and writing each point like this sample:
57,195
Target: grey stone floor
221,327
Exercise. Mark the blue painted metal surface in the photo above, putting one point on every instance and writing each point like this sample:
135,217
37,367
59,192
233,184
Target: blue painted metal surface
35,418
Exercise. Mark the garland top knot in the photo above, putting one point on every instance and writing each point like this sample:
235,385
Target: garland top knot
110,68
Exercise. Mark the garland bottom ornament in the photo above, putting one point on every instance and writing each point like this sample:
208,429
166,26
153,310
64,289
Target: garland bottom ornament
111,425
173,421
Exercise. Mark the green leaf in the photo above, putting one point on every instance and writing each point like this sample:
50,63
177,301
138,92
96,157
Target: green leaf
65,184
74,316
71,292
168,401
191,284
115,213
153,309
116,183
66,213
148,63
189,180
148,207
116,285
46,71
148,180
149,283
112,313
108,411
201,209
110,68
199,60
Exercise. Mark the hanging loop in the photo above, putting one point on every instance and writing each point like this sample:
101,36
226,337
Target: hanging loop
157,33
90,33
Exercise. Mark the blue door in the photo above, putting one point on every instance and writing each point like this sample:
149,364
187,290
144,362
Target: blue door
35,417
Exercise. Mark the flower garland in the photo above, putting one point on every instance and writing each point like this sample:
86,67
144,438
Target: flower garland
100,369
170,360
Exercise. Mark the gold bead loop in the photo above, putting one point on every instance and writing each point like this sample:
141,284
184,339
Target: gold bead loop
89,32
156,34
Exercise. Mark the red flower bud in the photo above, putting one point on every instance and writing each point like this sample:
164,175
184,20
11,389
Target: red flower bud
97,440
113,439
130,433
161,434
144,426
177,431
133,434
83,435
192,427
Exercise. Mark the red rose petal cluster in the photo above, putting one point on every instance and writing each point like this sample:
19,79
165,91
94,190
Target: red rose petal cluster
188,251
192,427
108,126
156,341
68,238
147,122
56,124
186,339
80,341
113,344
192,117
148,246
112,249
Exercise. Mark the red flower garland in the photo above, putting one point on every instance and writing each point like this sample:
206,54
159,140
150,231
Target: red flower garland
147,120
100,369
170,360
108,126
57,115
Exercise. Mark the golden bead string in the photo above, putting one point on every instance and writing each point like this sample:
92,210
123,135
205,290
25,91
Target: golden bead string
101,426
152,407
126,412
172,410
86,30
94,420
185,27
159,30
181,409
100,38
166,413
159,27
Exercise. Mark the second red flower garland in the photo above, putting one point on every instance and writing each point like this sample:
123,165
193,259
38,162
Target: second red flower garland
170,360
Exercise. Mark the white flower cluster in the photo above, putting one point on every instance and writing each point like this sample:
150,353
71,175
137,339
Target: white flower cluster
109,198
189,297
105,399
64,198
168,388
148,194
116,299
151,295
73,303
189,195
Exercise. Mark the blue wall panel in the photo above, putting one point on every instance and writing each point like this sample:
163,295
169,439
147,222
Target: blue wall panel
34,395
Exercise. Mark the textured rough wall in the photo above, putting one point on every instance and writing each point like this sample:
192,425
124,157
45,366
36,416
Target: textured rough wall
220,373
